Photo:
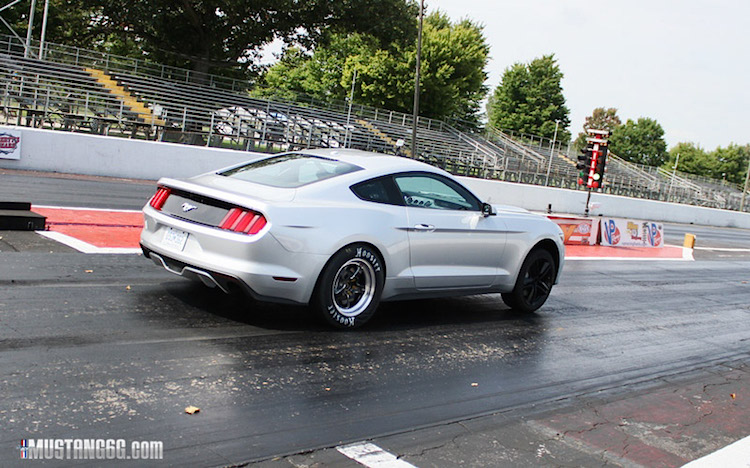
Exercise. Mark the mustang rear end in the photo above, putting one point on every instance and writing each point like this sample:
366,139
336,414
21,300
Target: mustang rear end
222,244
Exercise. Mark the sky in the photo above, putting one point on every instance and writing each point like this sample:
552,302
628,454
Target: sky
685,64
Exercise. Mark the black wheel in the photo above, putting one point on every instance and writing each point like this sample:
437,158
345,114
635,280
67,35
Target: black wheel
349,288
534,283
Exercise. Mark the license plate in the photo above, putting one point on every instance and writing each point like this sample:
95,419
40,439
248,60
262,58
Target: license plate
175,239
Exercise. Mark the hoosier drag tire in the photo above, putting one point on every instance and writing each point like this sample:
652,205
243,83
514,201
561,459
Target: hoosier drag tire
349,288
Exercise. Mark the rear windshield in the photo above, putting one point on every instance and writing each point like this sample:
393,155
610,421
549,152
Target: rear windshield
290,170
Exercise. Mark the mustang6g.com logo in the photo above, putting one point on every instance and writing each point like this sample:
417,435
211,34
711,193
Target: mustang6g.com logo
90,449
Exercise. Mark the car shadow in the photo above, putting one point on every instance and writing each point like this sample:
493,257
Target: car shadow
399,315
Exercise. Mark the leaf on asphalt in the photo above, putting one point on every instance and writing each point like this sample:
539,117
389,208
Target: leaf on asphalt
474,384
192,409
127,287
733,395
89,271
328,389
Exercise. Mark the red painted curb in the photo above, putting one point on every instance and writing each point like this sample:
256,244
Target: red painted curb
121,229
101,228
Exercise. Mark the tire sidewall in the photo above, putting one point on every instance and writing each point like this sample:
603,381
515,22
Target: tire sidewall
324,302
517,299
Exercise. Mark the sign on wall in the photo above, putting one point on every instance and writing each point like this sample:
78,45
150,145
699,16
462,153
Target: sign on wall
577,231
10,144
631,233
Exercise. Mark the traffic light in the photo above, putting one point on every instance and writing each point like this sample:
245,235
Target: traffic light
601,162
584,163
592,163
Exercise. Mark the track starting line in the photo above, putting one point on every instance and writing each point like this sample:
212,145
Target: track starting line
100,231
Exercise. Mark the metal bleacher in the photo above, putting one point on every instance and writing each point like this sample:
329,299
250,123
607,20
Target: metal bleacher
84,91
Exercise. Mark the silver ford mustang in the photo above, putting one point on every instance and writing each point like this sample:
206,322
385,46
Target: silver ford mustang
342,230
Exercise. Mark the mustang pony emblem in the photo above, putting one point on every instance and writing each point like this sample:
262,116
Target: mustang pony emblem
188,207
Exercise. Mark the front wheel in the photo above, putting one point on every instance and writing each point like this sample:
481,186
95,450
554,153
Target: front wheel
350,286
534,283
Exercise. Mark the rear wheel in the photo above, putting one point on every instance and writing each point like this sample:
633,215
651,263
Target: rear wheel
534,283
350,285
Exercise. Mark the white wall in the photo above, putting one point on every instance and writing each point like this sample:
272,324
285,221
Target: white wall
536,198
79,153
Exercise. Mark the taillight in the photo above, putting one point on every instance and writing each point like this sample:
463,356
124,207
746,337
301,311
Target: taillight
241,220
161,195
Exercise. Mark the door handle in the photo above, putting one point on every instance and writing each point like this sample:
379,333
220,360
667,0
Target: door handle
424,227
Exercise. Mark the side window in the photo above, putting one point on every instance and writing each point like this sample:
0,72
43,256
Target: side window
435,192
380,190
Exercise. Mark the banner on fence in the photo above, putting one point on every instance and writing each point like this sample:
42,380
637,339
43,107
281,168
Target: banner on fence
620,232
578,231
10,144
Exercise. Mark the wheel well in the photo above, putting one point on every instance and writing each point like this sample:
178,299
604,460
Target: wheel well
369,245
550,247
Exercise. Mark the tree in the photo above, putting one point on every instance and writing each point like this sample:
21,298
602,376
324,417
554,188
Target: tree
731,163
68,23
600,119
530,99
640,141
212,36
693,160
452,72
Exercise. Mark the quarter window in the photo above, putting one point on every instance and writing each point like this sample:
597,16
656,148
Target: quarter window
380,190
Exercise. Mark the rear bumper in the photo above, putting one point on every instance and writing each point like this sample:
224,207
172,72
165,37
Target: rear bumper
257,265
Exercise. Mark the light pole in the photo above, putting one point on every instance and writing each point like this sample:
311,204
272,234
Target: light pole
674,173
28,31
551,152
415,116
44,29
349,114
744,191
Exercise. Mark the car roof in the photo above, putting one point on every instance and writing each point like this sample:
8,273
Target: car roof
373,163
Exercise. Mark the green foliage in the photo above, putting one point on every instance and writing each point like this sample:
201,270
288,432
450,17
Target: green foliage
453,59
732,163
728,163
600,119
693,159
215,36
68,22
640,141
530,99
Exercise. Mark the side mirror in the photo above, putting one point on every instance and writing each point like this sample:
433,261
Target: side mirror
488,210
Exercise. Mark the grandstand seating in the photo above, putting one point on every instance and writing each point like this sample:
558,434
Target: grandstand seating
87,91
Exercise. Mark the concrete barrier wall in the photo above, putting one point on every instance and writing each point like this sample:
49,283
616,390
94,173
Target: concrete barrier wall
537,198
81,153
77,153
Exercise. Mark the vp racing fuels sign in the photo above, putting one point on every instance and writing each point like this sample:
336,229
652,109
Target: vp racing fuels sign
632,233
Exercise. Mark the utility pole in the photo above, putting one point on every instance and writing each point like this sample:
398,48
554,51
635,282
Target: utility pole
744,191
28,31
674,173
349,114
415,116
551,152
44,29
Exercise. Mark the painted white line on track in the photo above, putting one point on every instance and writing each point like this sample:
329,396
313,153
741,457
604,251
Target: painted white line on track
79,208
85,247
635,259
372,456
736,455
722,249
